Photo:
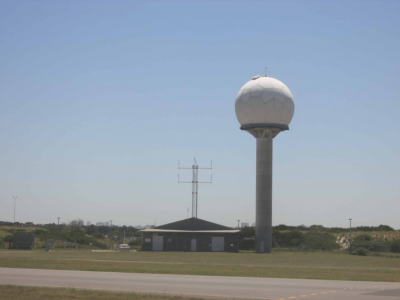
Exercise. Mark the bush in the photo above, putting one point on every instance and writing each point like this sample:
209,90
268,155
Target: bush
249,231
362,237
138,242
320,241
41,234
395,246
98,236
385,228
248,244
1,245
8,238
292,238
361,251
91,229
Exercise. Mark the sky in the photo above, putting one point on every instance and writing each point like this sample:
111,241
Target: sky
100,99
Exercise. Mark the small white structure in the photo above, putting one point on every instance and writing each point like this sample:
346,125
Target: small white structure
124,247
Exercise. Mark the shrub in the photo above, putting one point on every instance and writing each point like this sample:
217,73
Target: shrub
249,231
385,228
98,236
138,242
320,241
361,251
248,244
41,234
362,237
8,238
292,238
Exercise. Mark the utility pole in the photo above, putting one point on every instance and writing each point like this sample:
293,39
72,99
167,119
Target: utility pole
195,184
15,201
350,235
110,234
238,223
58,233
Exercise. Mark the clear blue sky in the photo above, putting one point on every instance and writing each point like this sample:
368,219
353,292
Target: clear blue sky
99,100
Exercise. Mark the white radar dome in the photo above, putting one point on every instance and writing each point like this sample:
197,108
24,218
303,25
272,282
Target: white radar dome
264,100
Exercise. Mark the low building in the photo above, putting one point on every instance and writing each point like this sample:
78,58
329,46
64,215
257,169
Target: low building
23,240
191,235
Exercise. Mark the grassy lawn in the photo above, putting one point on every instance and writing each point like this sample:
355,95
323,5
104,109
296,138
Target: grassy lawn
278,264
9,292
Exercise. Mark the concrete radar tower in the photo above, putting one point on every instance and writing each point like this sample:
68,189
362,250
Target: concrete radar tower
264,107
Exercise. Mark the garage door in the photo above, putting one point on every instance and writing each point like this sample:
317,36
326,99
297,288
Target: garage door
217,243
157,242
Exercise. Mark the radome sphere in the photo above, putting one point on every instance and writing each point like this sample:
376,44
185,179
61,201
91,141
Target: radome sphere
264,100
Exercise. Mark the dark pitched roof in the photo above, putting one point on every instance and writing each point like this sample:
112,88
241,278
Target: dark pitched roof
193,224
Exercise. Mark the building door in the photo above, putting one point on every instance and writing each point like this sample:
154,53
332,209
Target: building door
194,242
217,243
262,247
157,242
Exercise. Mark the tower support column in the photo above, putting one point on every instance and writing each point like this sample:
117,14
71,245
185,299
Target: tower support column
264,194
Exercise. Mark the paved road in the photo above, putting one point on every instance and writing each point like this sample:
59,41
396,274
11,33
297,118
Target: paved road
216,287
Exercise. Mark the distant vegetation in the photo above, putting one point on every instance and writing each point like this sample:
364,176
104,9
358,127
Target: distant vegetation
320,228
75,233
318,237
313,238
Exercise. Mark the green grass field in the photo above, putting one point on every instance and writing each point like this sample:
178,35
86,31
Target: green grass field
10,292
317,265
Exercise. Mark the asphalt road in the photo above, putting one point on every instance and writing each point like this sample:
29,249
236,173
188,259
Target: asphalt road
215,287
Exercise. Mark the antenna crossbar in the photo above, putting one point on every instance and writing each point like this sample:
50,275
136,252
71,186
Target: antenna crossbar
195,184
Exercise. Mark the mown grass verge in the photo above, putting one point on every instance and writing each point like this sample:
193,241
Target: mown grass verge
12,292
305,266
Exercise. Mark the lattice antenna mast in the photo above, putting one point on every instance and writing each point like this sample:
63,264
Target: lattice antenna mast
195,184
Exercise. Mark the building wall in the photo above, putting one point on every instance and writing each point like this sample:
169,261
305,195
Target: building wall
23,240
182,241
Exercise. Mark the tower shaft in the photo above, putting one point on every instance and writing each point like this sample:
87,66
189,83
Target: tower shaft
195,187
264,194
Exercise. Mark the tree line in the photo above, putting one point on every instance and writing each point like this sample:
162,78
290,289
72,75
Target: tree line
76,233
